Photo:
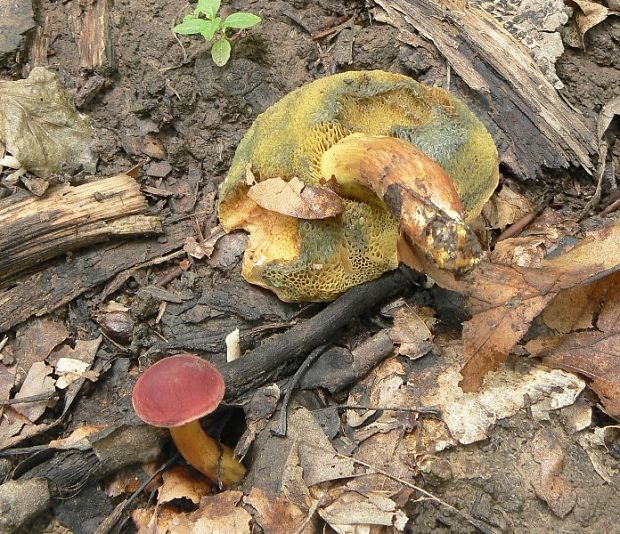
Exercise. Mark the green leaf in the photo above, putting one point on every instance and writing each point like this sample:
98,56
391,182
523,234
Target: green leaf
208,7
241,20
211,27
191,25
220,52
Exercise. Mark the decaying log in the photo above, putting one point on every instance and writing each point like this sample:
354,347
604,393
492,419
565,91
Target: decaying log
532,125
265,363
61,282
34,229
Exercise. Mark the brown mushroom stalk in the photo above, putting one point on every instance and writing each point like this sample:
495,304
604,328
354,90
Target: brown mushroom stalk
175,393
414,188
203,452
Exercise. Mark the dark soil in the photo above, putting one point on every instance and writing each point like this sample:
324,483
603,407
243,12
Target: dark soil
171,93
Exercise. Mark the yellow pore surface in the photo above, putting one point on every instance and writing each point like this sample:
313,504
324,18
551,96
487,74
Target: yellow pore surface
317,260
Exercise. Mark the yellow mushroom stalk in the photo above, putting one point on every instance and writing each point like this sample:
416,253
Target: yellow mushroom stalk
415,189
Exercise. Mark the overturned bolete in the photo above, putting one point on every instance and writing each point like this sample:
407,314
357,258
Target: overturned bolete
175,393
406,159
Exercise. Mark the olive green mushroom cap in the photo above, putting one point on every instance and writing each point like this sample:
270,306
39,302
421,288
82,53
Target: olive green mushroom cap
318,259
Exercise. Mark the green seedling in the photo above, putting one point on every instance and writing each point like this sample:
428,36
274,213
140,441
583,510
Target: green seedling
206,22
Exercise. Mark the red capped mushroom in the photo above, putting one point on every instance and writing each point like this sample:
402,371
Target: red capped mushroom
175,393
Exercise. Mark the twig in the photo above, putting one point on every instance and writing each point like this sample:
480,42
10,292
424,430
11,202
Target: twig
518,226
280,428
32,398
316,36
259,366
611,208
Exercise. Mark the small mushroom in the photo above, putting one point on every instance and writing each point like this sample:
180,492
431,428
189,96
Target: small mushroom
175,393
407,160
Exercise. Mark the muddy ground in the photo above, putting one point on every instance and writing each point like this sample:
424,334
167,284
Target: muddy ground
195,114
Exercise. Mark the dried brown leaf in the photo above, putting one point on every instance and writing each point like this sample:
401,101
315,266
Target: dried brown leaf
279,516
505,207
506,299
78,439
37,340
38,382
182,483
411,333
549,483
221,514
588,15
594,350
296,199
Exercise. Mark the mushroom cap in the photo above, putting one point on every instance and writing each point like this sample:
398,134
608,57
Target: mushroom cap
177,390
317,260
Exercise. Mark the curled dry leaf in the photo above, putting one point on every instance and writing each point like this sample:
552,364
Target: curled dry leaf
38,382
411,333
41,127
182,483
505,299
588,320
505,207
587,15
606,115
295,198
278,516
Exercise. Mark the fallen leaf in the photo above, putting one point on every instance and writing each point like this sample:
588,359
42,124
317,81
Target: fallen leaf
587,15
592,346
7,379
549,483
37,340
411,333
38,382
352,510
153,147
470,416
606,115
77,439
73,363
279,516
182,483
296,199
505,207
505,299
41,127
593,443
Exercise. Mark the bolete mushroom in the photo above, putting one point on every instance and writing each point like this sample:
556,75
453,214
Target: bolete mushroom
175,393
407,159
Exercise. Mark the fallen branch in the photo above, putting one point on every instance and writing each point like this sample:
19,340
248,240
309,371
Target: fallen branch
34,229
266,362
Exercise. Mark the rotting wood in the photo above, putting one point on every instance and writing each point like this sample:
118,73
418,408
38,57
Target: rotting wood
34,229
533,126
265,363
61,282
95,44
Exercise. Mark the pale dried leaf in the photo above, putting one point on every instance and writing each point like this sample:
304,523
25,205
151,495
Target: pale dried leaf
606,115
588,15
38,382
182,483
41,127
470,416
221,514
78,439
352,509
296,199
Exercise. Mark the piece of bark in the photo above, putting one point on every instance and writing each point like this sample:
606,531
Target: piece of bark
265,362
61,282
95,44
21,501
523,110
34,229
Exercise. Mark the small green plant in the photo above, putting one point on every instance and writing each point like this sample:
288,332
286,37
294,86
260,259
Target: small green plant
206,22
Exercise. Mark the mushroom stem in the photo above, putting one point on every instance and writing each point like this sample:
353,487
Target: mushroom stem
414,187
212,459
